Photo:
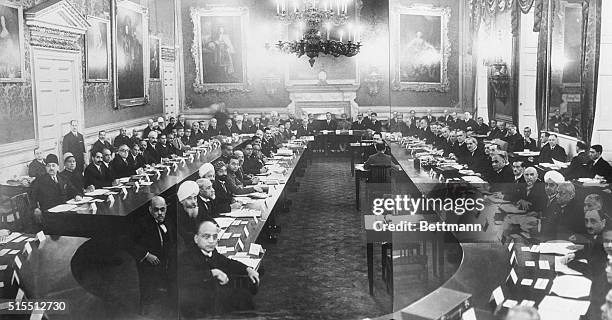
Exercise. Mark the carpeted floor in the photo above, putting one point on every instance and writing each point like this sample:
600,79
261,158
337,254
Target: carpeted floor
318,270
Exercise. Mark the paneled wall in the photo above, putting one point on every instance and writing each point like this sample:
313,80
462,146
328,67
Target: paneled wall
374,58
18,134
602,131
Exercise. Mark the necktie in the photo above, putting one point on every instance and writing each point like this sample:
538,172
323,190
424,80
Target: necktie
54,179
223,186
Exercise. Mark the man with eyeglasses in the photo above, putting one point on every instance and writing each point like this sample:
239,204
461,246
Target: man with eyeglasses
135,159
253,164
204,276
120,166
153,245
530,195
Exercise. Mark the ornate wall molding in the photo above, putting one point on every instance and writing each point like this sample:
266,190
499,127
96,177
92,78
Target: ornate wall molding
56,24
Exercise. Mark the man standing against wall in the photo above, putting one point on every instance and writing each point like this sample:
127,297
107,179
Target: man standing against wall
75,143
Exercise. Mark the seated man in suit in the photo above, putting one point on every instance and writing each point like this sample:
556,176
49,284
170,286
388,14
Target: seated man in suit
580,167
149,151
37,167
205,198
153,246
52,189
379,159
253,162
235,185
135,159
120,166
101,143
518,169
207,171
600,167
97,174
481,127
122,138
163,148
531,195
476,159
247,179
552,151
204,275
568,218
71,174
226,129
227,150
514,139
502,177
528,142
224,199
374,124
460,150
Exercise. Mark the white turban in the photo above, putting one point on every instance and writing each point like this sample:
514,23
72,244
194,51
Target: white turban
555,176
160,119
187,189
206,168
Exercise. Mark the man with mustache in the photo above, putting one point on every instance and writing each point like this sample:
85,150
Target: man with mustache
205,197
97,174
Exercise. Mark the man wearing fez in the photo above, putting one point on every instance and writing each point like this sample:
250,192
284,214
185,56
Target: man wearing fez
74,143
204,276
153,246
52,189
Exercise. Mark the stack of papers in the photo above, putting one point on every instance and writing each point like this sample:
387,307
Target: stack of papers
82,201
249,262
63,208
473,179
559,308
559,248
97,192
243,213
571,286
224,222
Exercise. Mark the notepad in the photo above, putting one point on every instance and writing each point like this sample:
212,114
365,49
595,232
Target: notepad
527,282
541,284
513,276
570,286
510,303
563,308
498,295
254,249
63,208
544,265
527,303
226,235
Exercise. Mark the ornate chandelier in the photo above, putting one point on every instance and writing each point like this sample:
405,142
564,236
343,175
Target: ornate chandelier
316,15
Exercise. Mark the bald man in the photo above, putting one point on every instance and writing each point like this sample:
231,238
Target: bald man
530,195
205,198
204,277
153,246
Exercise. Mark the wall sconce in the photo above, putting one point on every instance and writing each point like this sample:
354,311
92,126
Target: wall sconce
373,82
499,79
271,84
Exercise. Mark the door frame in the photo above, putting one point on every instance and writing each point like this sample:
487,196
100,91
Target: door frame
60,54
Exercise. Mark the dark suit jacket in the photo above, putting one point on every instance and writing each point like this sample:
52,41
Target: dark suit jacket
477,161
376,126
379,160
76,179
547,154
225,131
359,126
531,144
536,196
223,197
235,186
580,167
301,131
151,155
256,127
481,129
602,168
461,151
76,146
200,293
252,165
237,130
146,236
98,146
502,180
98,178
121,168
515,142
36,169
48,194
163,151
119,140
332,125
213,132
206,211
137,162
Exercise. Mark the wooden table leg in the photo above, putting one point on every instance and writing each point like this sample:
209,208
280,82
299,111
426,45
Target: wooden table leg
352,151
357,183
370,258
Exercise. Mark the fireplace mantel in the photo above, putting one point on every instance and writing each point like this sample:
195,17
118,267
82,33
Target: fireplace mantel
319,99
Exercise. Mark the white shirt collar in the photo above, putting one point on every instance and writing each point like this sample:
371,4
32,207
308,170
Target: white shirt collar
208,254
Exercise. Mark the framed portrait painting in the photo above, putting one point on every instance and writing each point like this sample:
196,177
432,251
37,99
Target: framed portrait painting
154,58
219,48
97,50
12,64
132,46
420,47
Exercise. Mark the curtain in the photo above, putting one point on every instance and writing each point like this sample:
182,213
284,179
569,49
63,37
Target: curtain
543,72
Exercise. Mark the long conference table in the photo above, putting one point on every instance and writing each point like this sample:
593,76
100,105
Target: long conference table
49,271
490,274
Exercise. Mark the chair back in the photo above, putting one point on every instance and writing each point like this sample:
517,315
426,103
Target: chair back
380,174
21,209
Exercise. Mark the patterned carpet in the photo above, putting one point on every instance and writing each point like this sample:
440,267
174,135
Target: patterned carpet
318,270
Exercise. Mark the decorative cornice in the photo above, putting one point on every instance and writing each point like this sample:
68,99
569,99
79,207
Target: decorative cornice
56,39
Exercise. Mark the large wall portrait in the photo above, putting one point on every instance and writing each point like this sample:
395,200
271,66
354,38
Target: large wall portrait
219,48
97,46
132,53
12,66
421,48
154,58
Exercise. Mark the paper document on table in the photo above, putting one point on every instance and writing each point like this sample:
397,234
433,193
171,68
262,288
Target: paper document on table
62,208
559,248
563,268
97,192
563,308
243,213
472,179
82,201
541,284
224,222
570,286
249,262
560,164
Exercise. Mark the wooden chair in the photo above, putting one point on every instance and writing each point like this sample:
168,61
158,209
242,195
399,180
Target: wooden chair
409,254
21,212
